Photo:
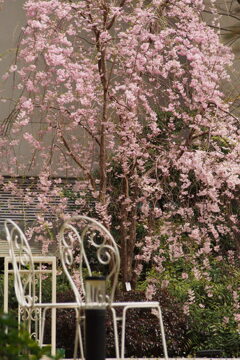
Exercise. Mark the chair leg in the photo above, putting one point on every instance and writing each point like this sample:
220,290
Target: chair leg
78,337
76,342
123,331
42,326
162,333
29,321
115,332
161,328
81,343
38,324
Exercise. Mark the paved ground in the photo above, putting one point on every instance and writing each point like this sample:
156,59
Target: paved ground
45,358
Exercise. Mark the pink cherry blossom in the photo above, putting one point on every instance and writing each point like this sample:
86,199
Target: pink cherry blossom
130,105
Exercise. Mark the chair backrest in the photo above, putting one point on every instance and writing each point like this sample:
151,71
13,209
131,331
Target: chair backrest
87,243
23,266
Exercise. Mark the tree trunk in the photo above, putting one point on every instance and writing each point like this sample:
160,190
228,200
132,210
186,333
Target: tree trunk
128,240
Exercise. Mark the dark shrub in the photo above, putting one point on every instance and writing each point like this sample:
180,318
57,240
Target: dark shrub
142,327
65,325
143,330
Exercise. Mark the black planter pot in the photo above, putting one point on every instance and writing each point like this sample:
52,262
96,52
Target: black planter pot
209,354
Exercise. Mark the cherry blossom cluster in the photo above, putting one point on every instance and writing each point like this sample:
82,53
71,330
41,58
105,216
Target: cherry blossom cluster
125,97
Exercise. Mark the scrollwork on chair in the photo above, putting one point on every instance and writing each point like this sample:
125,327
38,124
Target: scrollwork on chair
80,235
23,267
29,314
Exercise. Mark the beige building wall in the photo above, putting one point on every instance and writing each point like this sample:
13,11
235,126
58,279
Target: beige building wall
229,11
12,20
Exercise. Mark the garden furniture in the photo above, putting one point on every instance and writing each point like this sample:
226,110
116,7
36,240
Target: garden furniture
44,266
32,309
87,244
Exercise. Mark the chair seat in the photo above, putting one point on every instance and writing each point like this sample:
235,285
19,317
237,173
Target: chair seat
57,305
140,304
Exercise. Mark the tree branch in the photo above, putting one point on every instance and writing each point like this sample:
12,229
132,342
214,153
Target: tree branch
111,22
78,161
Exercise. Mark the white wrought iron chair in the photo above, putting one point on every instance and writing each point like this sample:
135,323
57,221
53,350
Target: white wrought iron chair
78,238
25,276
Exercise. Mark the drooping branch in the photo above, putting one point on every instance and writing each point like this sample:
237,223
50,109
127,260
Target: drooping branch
78,162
